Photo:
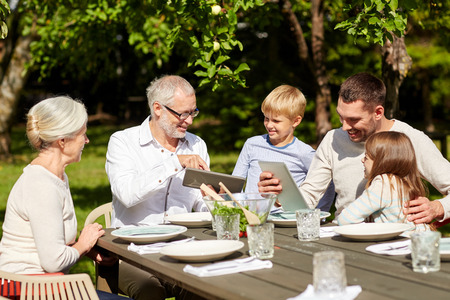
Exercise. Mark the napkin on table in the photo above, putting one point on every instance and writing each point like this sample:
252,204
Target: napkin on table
229,267
327,231
394,248
156,247
351,292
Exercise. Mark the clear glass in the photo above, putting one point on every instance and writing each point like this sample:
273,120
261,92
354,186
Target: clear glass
227,227
260,240
329,277
425,251
308,224
258,203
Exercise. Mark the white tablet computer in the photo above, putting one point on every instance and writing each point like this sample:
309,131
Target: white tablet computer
195,177
290,197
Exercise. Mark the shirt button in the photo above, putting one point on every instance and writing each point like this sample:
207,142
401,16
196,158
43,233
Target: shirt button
162,150
159,181
176,170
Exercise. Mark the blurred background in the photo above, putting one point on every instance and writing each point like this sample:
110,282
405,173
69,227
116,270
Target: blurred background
106,52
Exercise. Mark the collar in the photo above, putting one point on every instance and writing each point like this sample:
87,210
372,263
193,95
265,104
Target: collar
146,137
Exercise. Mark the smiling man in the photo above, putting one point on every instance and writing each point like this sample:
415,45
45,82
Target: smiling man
338,157
145,166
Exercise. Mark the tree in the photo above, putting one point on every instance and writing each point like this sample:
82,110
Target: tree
4,12
385,22
51,30
122,42
316,61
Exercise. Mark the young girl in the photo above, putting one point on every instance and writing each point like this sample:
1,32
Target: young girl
391,170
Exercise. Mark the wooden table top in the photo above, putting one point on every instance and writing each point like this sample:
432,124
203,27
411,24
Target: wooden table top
381,277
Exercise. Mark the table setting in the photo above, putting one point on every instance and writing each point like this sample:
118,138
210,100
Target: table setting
221,251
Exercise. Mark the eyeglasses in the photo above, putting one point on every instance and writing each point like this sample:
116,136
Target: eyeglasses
183,116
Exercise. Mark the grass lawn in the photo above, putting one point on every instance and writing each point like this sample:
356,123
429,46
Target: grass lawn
88,181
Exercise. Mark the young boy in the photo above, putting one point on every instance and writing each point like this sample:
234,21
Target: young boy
283,111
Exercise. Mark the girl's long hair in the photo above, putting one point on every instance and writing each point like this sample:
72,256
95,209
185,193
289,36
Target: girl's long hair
393,154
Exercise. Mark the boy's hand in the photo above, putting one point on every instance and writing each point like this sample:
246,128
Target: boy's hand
269,184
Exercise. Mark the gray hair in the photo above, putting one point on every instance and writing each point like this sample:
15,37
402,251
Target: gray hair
53,119
163,89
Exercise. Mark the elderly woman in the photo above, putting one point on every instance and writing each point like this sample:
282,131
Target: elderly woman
40,227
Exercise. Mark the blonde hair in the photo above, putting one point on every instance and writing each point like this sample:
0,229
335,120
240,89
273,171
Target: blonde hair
53,119
163,90
285,100
393,154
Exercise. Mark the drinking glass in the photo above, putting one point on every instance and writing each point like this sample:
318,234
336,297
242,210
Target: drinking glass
425,251
260,240
227,227
329,276
308,224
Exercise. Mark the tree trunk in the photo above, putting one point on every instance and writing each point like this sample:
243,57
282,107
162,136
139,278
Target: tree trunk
316,64
12,83
297,31
426,101
323,94
396,65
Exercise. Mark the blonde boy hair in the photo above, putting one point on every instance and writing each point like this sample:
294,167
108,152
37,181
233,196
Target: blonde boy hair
285,100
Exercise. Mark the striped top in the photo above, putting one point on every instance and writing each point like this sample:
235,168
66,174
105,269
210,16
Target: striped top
378,203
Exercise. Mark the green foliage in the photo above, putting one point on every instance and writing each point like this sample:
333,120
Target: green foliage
101,30
377,20
4,12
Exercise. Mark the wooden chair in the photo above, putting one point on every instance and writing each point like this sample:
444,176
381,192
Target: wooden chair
28,287
105,281
105,210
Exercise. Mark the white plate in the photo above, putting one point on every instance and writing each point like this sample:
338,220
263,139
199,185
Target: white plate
288,219
445,249
201,251
138,234
194,219
373,231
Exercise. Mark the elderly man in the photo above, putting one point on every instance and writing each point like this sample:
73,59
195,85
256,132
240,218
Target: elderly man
338,157
145,166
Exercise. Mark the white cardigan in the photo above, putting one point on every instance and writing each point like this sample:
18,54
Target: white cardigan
39,223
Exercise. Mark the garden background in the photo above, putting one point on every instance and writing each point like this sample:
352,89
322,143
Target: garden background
234,53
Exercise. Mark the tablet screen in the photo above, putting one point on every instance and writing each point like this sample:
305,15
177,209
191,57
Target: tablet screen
291,198
195,177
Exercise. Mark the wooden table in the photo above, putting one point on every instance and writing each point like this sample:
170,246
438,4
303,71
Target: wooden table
381,277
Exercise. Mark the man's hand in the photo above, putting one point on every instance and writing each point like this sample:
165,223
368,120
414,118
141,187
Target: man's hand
268,184
193,161
102,259
422,210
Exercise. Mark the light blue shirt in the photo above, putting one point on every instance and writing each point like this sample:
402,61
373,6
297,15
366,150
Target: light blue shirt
297,156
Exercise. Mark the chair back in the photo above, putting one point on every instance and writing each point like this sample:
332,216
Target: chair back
105,210
66,287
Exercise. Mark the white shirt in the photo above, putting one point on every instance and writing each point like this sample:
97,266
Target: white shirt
146,179
338,158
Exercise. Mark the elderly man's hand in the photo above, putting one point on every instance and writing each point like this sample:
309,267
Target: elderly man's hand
422,210
193,161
